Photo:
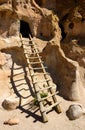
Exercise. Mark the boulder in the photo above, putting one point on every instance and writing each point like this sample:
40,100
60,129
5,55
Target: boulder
74,112
67,72
2,59
13,121
10,103
3,1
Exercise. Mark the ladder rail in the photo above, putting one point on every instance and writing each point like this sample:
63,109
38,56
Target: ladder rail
48,82
37,93
43,110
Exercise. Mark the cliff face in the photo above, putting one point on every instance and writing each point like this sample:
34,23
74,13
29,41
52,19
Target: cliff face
60,27
15,15
70,13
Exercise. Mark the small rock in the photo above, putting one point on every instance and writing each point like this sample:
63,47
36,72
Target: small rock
2,59
13,121
10,103
74,111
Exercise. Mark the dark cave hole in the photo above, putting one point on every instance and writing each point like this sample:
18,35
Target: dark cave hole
82,19
76,2
25,29
39,2
41,34
71,25
62,31
65,17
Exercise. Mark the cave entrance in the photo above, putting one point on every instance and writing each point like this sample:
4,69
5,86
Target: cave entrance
62,31
25,29
38,2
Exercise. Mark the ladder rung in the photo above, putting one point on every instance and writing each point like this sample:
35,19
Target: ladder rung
42,81
29,57
29,44
39,68
46,88
26,41
28,61
48,96
36,62
50,107
33,57
26,52
40,74
26,55
31,53
26,49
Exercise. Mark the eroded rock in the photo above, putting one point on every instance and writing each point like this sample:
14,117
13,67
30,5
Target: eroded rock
74,112
67,72
13,121
10,103
44,24
2,59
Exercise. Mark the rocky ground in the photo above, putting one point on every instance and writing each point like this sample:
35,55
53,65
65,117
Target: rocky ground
31,118
57,27
14,83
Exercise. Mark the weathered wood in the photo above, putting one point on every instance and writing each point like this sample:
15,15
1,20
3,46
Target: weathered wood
49,87
37,94
39,68
33,57
42,108
57,108
48,96
45,88
40,74
27,44
41,81
26,41
52,106
35,63
31,53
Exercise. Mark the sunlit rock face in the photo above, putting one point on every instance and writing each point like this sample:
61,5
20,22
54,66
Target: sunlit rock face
60,27
14,12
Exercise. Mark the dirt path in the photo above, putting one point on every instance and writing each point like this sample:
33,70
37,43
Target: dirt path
30,119
56,121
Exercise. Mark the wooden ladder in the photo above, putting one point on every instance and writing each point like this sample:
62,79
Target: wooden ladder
35,59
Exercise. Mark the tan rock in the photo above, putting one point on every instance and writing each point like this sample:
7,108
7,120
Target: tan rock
74,112
44,24
13,121
67,71
2,59
3,1
10,103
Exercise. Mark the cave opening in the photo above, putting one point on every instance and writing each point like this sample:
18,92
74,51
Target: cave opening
62,31
71,25
38,2
25,29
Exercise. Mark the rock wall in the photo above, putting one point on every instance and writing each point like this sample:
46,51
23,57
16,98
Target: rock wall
71,14
67,72
40,24
54,22
9,24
